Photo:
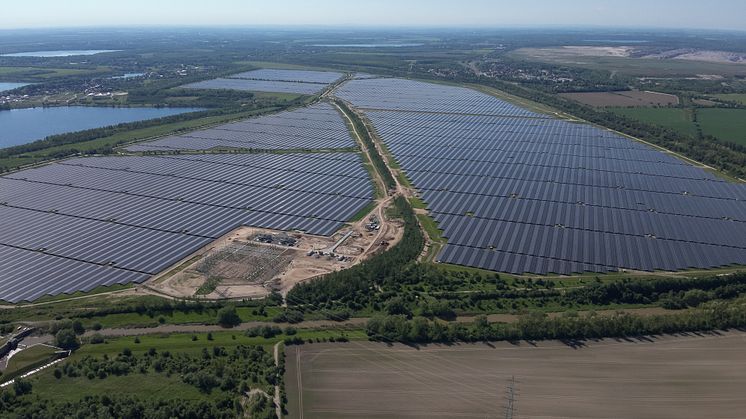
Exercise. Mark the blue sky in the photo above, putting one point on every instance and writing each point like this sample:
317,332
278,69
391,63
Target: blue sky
712,14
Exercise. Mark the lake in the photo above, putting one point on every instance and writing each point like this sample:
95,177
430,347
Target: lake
11,86
59,53
21,126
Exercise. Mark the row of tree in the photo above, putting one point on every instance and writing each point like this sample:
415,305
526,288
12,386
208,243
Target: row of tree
537,326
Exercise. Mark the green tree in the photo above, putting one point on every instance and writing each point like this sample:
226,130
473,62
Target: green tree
228,317
67,339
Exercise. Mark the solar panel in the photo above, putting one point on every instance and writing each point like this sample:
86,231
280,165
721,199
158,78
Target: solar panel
319,126
518,192
102,220
272,80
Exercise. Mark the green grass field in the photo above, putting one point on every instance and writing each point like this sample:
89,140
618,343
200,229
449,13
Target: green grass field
732,97
28,359
640,67
40,73
673,118
149,386
724,124
205,317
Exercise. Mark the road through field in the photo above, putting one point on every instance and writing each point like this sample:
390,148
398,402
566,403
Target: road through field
691,376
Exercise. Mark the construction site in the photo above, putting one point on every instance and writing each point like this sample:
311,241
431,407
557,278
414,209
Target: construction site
253,262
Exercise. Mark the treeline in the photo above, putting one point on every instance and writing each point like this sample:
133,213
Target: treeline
376,158
115,406
431,291
355,286
539,326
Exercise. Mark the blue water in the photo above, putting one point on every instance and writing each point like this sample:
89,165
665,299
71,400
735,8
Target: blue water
60,53
21,126
367,45
11,86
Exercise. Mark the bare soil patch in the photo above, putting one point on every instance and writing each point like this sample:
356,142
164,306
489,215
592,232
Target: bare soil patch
690,376
241,265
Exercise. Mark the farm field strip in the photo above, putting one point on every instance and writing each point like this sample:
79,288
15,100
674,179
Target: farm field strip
623,98
671,376
512,203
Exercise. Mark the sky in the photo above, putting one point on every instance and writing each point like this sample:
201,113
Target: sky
695,14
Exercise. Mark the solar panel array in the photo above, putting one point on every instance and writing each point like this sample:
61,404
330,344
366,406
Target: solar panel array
81,223
271,80
515,192
410,95
319,126
303,76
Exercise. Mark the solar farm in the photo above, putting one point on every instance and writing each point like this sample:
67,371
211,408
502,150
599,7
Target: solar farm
271,80
520,192
318,126
81,223
511,190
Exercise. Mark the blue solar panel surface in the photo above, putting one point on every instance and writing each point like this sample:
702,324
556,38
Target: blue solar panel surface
303,76
94,221
519,192
272,80
319,126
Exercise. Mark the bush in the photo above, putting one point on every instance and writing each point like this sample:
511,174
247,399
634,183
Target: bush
21,386
78,327
67,339
96,339
228,317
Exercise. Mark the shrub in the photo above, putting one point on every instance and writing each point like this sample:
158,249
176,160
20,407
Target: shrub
228,317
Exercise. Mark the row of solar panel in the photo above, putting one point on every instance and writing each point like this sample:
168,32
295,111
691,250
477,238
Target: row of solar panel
539,130
534,147
272,80
600,219
486,177
594,248
257,86
305,76
524,194
319,126
410,95
687,206
29,275
426,156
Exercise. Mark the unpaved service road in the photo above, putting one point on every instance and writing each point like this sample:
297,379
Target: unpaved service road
667,377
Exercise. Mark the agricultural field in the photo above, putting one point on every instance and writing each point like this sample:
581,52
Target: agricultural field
619,59
670,376
732,97
678,119
623,98
724,124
